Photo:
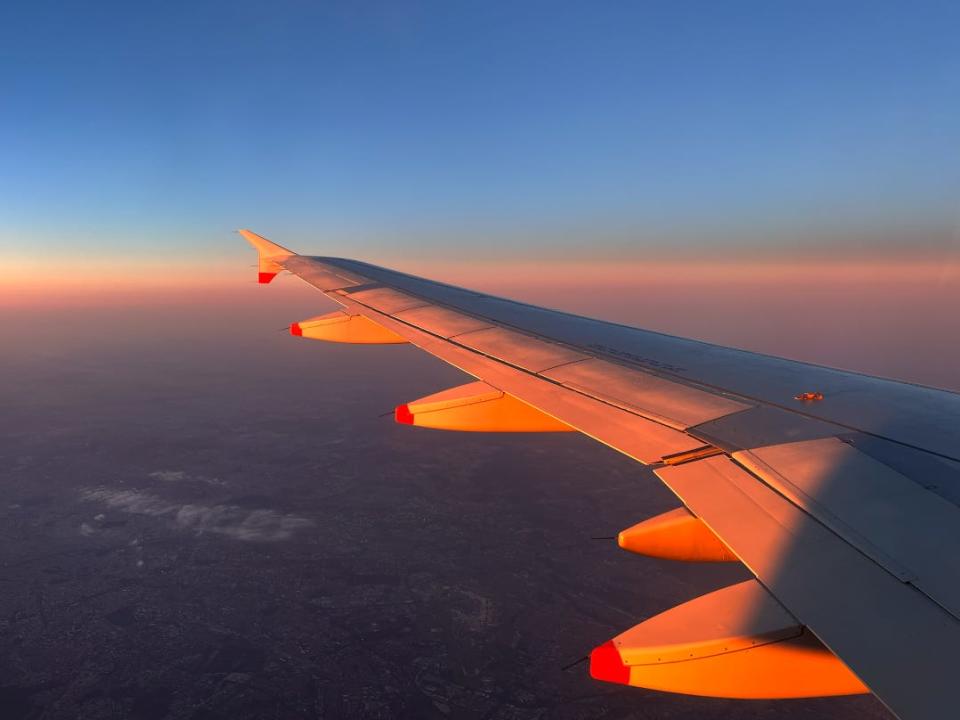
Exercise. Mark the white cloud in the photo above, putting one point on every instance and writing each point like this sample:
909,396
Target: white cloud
182,476
263,525
169,475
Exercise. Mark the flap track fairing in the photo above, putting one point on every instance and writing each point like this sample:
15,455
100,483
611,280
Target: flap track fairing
675,535
738,642
342,327
477,407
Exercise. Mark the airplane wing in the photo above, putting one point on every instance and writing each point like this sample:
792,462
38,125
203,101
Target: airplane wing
839,491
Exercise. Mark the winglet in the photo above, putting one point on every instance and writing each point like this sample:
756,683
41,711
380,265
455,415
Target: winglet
271,256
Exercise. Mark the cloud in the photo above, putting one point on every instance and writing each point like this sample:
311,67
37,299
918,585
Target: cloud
264,525
131,501
182,476
238,523
169,475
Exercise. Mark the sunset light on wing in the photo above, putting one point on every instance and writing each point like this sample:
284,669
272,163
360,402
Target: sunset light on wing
480,361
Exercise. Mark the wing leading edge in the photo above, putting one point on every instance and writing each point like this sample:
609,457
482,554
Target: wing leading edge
843,502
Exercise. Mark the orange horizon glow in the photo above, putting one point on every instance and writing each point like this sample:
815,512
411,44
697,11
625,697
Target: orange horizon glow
892,317
97,282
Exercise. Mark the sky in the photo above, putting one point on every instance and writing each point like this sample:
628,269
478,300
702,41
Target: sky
707,150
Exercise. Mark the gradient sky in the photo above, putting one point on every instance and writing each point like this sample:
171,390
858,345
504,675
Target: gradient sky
415,127
709,151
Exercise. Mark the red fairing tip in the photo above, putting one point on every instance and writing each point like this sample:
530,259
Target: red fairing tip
403,415
606,665
264,278
295,329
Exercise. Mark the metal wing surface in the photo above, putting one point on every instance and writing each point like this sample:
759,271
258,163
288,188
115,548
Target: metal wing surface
839,491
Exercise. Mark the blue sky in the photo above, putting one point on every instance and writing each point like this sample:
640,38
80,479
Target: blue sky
439,128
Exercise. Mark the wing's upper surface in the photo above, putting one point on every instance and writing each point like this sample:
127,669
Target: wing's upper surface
839,491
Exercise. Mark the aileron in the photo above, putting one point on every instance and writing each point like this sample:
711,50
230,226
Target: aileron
518,349
667,401
441,321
